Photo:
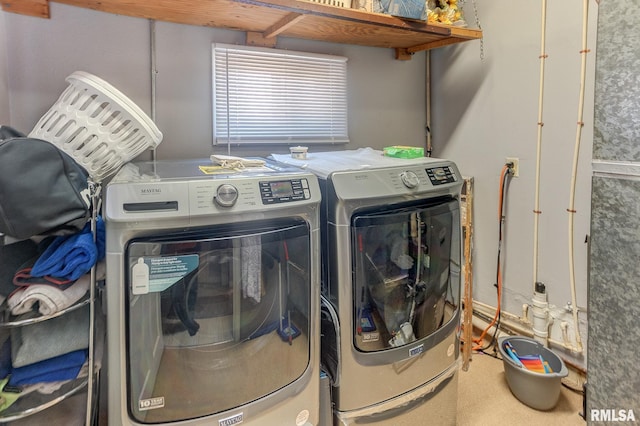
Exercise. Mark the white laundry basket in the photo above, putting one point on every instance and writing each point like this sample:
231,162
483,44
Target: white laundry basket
97,125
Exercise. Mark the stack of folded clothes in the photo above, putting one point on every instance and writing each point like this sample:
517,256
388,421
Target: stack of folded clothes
60,368
58,276
47,277
43,376
43,356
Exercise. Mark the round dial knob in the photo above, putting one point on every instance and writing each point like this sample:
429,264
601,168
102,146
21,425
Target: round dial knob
226,195
409,179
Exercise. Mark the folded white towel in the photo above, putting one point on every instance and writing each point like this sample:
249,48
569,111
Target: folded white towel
51,299
231,162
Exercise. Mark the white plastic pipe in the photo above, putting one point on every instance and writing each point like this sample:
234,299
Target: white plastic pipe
536,208
511,327
574,173
540,313
525,314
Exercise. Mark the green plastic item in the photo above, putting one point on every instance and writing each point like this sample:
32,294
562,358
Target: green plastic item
399,151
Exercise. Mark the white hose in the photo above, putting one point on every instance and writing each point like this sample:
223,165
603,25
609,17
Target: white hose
574,172
536,209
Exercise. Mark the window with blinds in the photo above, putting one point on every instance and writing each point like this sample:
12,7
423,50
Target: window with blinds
263,95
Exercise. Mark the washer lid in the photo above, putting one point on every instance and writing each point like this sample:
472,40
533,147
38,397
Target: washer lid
203,168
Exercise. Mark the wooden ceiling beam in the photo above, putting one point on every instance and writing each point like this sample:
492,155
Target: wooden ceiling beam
37,8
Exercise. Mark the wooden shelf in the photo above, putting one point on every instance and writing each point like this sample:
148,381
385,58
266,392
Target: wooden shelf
264,20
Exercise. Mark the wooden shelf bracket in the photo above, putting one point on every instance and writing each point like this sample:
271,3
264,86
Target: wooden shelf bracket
269,37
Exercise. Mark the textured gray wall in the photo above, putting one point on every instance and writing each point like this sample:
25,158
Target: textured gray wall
617,112
614,295
614,288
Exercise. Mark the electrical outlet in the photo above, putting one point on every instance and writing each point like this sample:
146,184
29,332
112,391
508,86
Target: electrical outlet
516,165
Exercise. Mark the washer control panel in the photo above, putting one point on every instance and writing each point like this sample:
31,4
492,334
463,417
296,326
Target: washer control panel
410,179
183,189
441,175
284,191
226,195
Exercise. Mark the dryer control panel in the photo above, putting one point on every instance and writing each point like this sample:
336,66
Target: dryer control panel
284,191
421,179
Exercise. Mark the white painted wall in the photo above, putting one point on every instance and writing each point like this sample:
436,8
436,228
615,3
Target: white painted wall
41,53
483,110
487,109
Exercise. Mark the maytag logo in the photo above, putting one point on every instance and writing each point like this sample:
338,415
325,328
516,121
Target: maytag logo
151,403
361,177
416,351
150,190
234,420
612,415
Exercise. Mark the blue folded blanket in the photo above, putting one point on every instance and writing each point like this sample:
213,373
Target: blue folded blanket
72,256
62,367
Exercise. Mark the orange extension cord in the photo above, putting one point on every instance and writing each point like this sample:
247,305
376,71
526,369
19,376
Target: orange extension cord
478,341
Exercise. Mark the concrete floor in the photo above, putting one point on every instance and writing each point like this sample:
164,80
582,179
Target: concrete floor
484,398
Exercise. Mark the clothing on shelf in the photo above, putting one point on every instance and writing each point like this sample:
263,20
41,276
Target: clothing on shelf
7,398
24,278
62,367
43,360
49,299
72,256
50,338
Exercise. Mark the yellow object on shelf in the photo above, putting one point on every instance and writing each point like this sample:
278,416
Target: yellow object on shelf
400,151
445,12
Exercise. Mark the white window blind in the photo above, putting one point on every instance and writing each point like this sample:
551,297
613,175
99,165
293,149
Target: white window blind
263,95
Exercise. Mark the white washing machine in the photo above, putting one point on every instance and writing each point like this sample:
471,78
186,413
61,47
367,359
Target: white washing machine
212,295
391,252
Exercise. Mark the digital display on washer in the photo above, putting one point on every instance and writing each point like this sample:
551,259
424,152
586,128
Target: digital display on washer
441,175
282,191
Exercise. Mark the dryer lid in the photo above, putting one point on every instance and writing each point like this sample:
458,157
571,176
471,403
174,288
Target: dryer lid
324,163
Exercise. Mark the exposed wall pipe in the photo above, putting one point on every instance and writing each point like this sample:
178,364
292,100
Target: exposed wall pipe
540,313
513,324
536,208
525,314
574,172
497,317
480,321
427,85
